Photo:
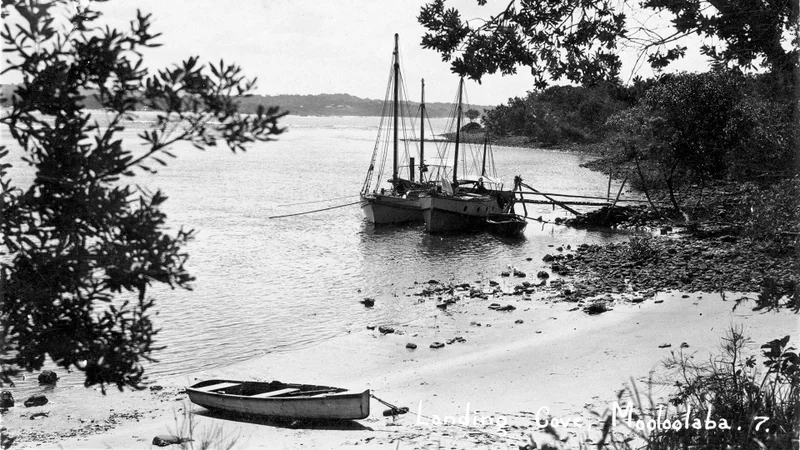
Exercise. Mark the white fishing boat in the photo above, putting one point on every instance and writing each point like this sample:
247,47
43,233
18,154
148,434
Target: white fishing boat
468,202
398,202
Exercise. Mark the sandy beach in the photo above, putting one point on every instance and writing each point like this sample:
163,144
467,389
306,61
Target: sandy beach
543,357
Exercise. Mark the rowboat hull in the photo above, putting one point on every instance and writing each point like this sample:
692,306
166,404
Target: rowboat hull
443,213
248,398
391,209
506,224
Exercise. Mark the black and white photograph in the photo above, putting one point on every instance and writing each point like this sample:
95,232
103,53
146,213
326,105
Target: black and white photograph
427,225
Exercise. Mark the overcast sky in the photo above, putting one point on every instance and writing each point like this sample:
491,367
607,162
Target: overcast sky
317,46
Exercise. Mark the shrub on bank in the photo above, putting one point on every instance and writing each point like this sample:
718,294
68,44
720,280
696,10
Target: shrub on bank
725,402
772,214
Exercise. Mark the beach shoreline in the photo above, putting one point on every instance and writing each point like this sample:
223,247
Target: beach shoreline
511,366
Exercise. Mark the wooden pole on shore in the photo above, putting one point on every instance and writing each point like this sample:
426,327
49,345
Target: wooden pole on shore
610,208
555,202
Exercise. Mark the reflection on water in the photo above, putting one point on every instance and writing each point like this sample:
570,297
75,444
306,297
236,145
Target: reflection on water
273,285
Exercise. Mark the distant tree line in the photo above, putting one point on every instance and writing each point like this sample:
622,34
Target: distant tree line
564,114
300,105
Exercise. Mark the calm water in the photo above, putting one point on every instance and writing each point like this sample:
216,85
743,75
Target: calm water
273,285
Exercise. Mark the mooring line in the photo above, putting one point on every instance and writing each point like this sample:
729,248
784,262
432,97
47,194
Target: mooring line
316,210
317,201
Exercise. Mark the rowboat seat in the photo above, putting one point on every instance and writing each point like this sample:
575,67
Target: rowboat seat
275,393
217,386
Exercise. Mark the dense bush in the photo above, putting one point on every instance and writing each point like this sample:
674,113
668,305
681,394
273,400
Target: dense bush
772,214
759,406
759,139
559,114
692,129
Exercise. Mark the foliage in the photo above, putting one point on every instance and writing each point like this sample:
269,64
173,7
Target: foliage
732,387
578,40
571,39
759,409
759,139
694,110
772,214
750,30
694,128
472,114
472,127
81,246
558,114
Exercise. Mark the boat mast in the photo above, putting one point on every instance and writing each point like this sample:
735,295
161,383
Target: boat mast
458,132
422,135
396,107
485,145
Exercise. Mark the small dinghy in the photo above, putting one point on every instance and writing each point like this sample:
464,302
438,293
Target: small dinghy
280,400
506,224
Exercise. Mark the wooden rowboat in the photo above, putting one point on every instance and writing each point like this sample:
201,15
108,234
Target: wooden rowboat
280,400
507,224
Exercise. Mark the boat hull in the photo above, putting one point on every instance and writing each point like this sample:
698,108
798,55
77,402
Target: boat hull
458,213
332,406
390,209
506,224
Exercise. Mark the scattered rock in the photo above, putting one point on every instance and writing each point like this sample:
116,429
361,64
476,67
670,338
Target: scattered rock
548,258
665,346
36,400
48,377
385,329
6,399
497,307
519,321
164,440
520,274
368,302
156,387
437,345
505,274
411,345
370,327
597,307
543,275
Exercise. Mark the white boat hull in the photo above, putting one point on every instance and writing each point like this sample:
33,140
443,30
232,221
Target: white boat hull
344,405
444,213
388,209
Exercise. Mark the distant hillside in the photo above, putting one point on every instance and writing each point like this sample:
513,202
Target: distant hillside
308,105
